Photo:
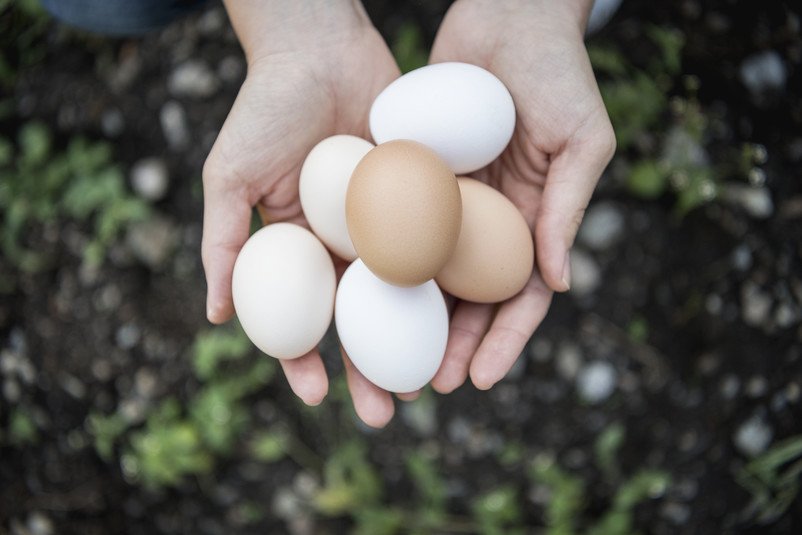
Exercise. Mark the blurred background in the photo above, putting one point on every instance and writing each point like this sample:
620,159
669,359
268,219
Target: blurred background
662,395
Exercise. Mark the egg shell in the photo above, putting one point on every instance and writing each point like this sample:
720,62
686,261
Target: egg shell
396,337
495,254
403,211
461,111
283,287
322,186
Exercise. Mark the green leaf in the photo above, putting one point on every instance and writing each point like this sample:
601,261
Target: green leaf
408,48
607,60
106,430
269,446
606,448
22,429
498,510
215,346
378,521
34,139
350,482
647,180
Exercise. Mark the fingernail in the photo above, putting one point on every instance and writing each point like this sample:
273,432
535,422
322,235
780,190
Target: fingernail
567,271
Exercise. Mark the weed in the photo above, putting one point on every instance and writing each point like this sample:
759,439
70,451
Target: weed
773,479
408,48
40,187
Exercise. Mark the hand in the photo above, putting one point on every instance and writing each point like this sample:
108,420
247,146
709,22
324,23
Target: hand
562,142
314,69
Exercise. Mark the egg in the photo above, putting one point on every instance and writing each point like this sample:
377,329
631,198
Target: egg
322,185
396,337
403,212
461,111
283,287
494,256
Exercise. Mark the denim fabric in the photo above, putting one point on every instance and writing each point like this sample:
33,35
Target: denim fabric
119,17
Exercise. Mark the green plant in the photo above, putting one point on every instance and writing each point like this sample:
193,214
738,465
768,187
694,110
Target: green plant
408,48
41,187
773,479
22,428
498,511
565,510
23,23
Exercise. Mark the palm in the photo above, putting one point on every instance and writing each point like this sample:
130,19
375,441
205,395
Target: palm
288,103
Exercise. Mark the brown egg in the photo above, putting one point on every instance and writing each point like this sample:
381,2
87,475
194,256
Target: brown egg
403,212
495,255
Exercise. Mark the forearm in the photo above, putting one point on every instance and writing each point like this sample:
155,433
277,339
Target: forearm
265,27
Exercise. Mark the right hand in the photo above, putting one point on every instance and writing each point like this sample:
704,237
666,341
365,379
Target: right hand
310,82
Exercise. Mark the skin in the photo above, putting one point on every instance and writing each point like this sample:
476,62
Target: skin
314,69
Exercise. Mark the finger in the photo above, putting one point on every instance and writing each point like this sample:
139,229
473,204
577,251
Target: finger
226,223
408,396
307,377
570,182
373,405
468,326
514,323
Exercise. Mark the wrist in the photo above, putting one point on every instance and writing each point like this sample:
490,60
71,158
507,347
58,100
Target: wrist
269,27
567,15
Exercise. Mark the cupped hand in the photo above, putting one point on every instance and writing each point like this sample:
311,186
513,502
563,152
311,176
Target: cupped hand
562,142
315,84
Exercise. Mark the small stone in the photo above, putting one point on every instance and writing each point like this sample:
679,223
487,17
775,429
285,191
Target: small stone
11,390
173,121
193,79
149,178
602,227
211,22
754,201
682,150
742,257
568,361
132,410
676,513
756,386
540,349
101,369
39,524
786,316
9,361
421,414
286,504
755,304
753,436
596,381
112,123
73,386
152,241
764,71
231,69
127,336
730,386
585,273
145,382
792,392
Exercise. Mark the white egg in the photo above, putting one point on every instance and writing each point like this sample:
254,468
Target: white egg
283,287
322,186
396,337
461,111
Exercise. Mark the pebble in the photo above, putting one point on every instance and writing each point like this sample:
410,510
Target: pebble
127,336
568,361
754,201
173,121
753,436
39,524
786,316
231,69
596,381
755,304
764,71
11,390
730,386
756,386
193,79
145,383
602,227
421,415
152,241
211,22
112,122
540,349
675,512
742,257
682,150
585,273
149,178
792,392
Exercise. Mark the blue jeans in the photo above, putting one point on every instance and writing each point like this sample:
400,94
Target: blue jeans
119,17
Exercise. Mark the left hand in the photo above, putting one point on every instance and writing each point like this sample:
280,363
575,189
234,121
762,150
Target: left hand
562,142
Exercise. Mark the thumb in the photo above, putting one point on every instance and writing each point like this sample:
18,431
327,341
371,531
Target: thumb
571,179
226,225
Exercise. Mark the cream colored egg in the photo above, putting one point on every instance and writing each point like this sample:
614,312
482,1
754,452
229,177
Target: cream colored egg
322,186
494,256
283,287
